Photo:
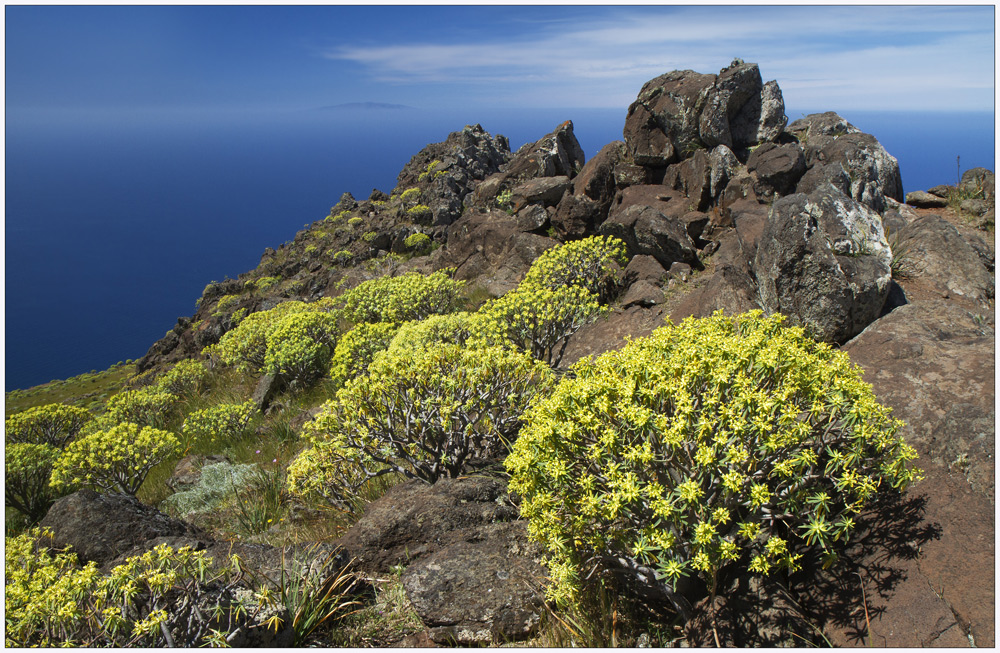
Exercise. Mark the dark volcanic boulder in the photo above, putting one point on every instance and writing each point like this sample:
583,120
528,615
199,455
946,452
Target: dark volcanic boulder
492,248
646,229
486,590
874,173
553,155
100,527
546,191
471,573
778,167
597,178
933,363
823,260
677,113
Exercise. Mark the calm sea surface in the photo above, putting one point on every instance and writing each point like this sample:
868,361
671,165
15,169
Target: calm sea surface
113,227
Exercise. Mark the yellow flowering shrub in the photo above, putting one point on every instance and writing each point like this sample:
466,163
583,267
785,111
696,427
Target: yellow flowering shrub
536,319
27,470
217,424
417,242
149,406
245,347
593,263
184,378
426,413
411,296
715,441
162,598
299,345
54,424
451,328
115,460
356,350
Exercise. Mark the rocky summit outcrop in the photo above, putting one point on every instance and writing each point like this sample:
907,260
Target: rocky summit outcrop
722,205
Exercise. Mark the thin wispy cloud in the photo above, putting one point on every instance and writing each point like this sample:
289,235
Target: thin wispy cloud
857,57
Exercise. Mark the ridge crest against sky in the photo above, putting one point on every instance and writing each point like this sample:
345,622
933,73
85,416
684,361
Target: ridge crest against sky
929,58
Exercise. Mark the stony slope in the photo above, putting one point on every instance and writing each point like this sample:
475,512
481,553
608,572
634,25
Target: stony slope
722,206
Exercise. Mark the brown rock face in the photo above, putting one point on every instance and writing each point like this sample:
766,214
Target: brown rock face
933,363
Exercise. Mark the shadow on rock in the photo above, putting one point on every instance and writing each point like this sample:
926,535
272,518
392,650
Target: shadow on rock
796,610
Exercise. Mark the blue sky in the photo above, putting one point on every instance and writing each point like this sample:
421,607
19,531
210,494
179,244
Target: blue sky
199,58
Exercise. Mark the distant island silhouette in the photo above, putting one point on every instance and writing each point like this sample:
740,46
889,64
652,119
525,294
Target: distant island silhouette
367,106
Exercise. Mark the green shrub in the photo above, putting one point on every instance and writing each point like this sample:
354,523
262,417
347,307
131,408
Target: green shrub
354,222
54,424
369,236
217,424
419,212
266,282
115,460
149,406
184,378
417,242
535,319
299,346
592,263
410,195
451,328
245,347
27,470
425,414
226,304
715,441
411,296
161,598
356,350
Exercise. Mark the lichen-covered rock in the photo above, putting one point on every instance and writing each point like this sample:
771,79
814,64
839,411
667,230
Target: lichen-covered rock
823,260
555,154
680,112
925,200
873,173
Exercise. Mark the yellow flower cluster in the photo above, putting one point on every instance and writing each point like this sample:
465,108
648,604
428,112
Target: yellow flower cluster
425,413
217,424
686,450
54,424
357,348
115,460
53,601
593,263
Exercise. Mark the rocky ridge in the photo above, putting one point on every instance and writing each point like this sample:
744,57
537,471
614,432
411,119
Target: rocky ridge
722,205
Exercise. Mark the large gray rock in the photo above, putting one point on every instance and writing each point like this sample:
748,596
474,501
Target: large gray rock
464,159
101,527
932,249
823,260
923,200
647,230
874,173
482,591
680,112
555,154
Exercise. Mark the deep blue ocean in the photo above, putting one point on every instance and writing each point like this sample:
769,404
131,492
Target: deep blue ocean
115,225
